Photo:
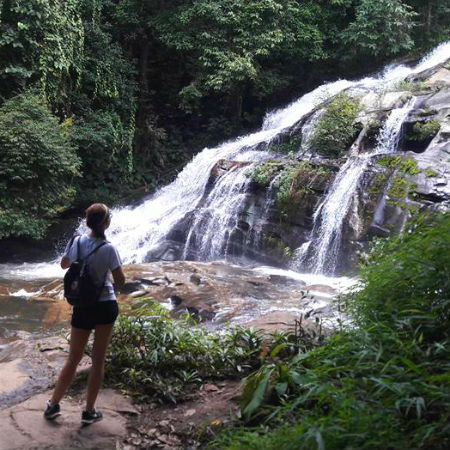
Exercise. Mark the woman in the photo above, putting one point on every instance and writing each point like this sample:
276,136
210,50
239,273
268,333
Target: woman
100,317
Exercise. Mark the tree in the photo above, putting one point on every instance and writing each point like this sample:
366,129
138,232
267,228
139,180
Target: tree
432,22
228,43
41,42
381,29
37,167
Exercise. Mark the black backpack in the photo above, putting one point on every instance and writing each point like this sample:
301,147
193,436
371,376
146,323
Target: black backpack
79,288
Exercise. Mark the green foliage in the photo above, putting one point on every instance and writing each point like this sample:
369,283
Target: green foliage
41,41
432,25
336,129
264,173
384,384
38,165
155,357
229,42
424,131
382,28
406,278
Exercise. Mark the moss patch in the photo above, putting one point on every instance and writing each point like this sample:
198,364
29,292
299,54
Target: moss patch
400,187
407,166
430,172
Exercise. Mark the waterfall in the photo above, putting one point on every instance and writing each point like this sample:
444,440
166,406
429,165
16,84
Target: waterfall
138,230
330,215
209,236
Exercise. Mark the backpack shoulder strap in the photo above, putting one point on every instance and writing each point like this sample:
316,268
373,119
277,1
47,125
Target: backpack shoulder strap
78,248
95,249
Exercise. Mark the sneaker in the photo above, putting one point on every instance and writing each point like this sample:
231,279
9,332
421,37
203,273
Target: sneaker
52,411
88,417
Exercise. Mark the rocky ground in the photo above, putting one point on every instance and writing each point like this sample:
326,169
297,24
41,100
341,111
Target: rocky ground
28,370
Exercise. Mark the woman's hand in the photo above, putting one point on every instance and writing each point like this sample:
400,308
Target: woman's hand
65,262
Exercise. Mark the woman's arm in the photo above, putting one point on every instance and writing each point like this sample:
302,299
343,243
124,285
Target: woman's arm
119,277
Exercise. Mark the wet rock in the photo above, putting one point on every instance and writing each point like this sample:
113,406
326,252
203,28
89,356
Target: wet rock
439,79
194,278
378,231
131,287
4,291
321,288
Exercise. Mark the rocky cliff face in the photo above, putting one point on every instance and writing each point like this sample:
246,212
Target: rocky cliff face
276,220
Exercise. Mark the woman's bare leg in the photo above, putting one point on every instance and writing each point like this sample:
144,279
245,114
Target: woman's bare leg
101,340
78,340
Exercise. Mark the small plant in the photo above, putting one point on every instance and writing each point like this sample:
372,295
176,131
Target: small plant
416,86
400,188
407,166
289,145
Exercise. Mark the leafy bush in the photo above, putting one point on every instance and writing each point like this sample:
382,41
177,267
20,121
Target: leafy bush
155,357
385,384
37,167
104,146
336,129
406,281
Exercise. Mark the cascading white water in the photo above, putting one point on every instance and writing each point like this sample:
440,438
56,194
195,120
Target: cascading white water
209,235
331,213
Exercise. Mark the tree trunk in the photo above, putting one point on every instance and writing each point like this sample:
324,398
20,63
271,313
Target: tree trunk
429,17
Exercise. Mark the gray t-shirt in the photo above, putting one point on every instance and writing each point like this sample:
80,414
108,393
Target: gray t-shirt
101,263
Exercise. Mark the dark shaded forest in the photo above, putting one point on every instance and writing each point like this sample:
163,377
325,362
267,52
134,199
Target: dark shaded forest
102,99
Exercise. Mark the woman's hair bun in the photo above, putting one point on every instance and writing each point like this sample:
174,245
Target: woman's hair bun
96,215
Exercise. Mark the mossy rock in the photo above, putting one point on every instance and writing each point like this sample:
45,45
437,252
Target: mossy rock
405,165
296,182
337,129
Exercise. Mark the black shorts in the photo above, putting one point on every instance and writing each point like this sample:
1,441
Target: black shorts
103,313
